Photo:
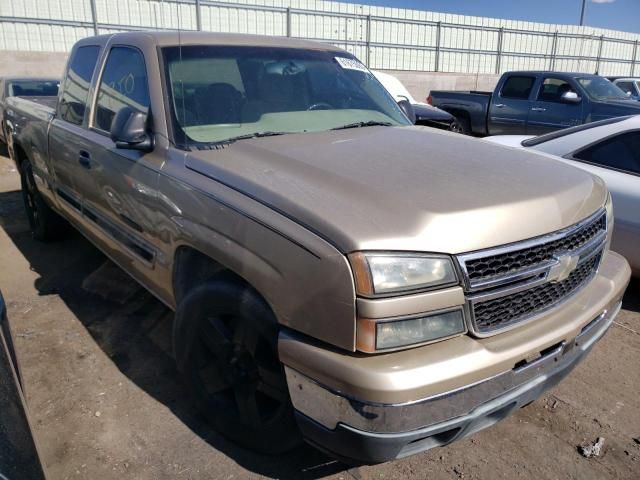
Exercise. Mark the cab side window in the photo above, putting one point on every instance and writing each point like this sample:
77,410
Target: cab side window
552,90
518,87
621,152
123,83
76,84
626,87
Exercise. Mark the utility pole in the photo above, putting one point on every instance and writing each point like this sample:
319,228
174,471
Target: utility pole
584,4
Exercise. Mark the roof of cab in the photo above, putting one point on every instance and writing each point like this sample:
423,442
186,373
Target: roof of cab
174,38
552,73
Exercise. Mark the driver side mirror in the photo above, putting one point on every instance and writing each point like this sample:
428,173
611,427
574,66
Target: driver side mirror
570,97
129,130
407,109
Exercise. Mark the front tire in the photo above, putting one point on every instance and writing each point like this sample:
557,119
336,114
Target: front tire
225,341
46,225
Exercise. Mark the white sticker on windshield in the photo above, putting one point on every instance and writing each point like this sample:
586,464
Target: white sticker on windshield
351,64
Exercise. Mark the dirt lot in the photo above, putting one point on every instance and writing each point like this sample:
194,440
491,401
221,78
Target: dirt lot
106,402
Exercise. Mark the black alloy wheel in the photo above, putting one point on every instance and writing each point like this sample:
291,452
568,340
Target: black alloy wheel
225,340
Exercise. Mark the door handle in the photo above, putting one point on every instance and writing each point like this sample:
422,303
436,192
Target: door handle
84,159
538,109
499,105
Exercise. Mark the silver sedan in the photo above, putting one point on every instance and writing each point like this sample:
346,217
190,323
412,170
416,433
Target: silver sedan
611,150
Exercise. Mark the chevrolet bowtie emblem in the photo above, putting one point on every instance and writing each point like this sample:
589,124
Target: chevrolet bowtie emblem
561,270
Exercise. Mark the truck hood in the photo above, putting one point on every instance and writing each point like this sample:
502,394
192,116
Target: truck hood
405,188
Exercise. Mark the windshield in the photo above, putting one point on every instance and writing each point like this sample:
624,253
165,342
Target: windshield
33,88
220,93
602,89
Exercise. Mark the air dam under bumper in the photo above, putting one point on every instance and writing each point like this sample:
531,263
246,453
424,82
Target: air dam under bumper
372,432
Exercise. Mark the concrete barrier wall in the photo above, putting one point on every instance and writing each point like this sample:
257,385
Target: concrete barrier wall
45,64
420,84
32,64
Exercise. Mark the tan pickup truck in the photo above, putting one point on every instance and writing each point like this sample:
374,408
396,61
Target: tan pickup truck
338,275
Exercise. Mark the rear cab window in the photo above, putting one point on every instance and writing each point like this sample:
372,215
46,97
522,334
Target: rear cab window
123,83
626,87
77,82
517,87
33,88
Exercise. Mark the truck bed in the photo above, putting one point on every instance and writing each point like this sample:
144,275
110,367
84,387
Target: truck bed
48,101
30,106
31,116
469,107
462,92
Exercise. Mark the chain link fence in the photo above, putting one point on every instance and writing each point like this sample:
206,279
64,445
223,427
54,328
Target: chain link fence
383,38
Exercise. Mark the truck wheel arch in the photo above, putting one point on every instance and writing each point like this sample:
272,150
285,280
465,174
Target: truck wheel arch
17,152
192,268
463,119
225,326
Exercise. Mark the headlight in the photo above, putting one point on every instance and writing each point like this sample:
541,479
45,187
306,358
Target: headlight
381,335
609,208
386,273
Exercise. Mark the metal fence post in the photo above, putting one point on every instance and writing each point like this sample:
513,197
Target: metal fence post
599,54
436,67
368,38
288,21
198,16
94,16
554,50
634,57
346,33
499,51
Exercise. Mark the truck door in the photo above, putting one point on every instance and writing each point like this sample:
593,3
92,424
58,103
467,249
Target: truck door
550,112
120,198
68,145
509,107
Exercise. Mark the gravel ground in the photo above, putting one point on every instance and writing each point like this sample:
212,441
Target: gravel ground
106,401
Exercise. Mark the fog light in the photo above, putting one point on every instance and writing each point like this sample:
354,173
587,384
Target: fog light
375,335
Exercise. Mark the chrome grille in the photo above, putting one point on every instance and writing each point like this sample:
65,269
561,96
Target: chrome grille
503,311
512,261
508,285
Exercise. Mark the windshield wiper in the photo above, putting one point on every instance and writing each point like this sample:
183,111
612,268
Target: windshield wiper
370,123
227,141
252,135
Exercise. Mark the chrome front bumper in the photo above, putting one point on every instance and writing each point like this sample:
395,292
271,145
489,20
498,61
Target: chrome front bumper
376,432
